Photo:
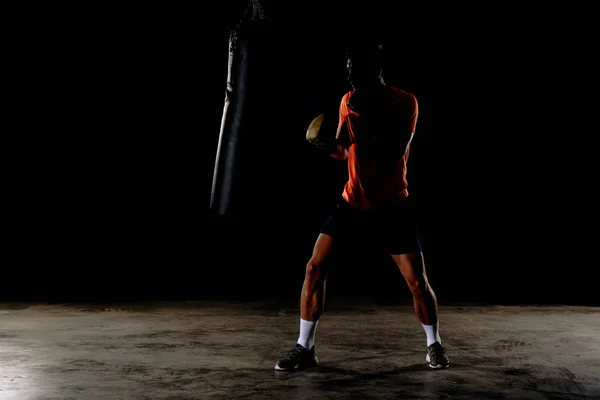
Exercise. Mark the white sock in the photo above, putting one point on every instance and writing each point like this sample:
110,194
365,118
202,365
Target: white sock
307,333
433,334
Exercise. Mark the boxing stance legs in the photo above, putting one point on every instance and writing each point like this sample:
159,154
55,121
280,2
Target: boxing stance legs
312,299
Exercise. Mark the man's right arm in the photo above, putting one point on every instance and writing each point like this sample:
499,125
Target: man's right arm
342,135
342,138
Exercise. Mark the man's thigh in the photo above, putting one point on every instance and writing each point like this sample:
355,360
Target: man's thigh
397,230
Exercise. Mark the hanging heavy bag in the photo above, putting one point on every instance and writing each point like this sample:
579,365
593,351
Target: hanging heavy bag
241,162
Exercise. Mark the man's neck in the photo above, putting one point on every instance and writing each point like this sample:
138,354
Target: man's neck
374,86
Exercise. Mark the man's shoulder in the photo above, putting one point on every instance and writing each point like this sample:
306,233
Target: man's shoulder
347,95
344,103
403,98
401,94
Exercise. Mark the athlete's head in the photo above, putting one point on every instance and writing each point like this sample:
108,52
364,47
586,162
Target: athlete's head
364,64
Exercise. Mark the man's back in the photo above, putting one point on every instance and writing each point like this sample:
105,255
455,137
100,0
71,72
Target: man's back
379,141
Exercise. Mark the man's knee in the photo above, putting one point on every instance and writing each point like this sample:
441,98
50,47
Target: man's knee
417,283
315,270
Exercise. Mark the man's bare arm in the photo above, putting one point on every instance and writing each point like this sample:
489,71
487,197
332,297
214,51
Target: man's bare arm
342,138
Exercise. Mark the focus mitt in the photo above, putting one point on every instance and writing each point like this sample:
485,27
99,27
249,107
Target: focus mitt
321,133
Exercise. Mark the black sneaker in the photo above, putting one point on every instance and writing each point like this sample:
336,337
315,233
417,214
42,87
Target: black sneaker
297,358
436,356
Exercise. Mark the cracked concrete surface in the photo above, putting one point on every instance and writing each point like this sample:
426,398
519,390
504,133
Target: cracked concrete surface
227,350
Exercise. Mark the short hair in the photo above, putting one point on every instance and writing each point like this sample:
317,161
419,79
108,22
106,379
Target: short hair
366,50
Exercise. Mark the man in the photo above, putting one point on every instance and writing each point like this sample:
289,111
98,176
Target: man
376,127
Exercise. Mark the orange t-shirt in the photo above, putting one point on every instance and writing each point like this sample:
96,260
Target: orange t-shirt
377,169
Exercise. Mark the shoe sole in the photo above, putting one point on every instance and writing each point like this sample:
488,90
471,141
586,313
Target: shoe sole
298,366
439,366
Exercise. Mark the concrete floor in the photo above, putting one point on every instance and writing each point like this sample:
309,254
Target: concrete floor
220,350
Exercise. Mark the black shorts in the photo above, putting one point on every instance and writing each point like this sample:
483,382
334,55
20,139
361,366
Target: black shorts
393,230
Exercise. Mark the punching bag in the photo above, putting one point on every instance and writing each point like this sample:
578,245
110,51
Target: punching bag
244,164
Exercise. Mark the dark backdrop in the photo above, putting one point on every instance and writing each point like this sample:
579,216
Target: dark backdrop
115,184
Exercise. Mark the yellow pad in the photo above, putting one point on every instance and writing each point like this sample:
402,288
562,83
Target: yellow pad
314,129
321,132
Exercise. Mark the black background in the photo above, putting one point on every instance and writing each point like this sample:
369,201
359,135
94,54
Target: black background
114,165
